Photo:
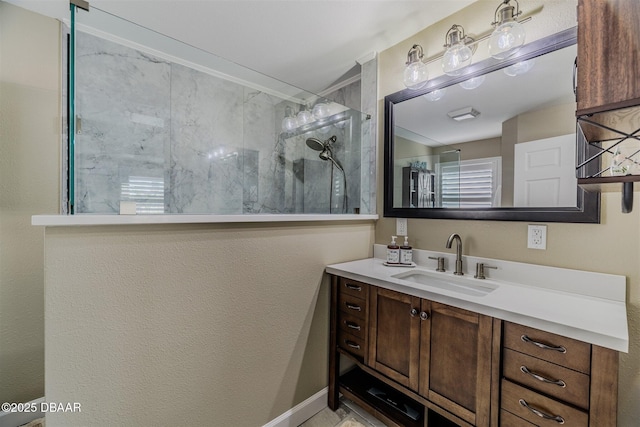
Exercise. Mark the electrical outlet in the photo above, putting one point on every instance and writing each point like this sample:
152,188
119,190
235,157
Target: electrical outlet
401,226
537,237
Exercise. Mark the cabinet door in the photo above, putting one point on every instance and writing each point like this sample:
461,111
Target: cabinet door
395,336
455,361
608,50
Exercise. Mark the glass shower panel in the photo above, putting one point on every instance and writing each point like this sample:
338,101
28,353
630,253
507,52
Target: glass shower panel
177,130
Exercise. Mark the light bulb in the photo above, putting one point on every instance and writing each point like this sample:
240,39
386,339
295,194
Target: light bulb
321,110
304,117
472,83
519,68
415,75
289,124
506,40
455,59
436,95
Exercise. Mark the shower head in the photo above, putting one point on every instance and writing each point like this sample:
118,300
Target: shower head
317,145
325,149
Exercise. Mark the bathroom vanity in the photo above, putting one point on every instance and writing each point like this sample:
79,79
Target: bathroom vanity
529,345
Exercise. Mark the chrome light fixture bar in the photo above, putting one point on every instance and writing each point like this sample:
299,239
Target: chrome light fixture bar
505,39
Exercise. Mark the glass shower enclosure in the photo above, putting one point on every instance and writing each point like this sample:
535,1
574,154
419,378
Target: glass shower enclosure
166,128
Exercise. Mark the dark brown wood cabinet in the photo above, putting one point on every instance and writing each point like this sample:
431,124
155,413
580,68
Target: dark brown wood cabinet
608,55
441,352
421,363
456,353
549,380
395,336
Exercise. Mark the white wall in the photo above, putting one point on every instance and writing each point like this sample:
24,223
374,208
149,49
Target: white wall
29,163
610,247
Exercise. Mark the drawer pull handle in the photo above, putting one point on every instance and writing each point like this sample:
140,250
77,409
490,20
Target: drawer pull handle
556,418
353,287
560,348
352,344
352,325
353,306
539,377
413,312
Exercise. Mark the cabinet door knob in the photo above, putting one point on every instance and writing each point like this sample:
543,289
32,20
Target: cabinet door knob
424,315
413,312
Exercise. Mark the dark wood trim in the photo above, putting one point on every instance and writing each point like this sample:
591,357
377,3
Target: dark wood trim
334,365
496,369
604,387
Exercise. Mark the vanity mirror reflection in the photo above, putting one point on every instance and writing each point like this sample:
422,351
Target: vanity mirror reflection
498,143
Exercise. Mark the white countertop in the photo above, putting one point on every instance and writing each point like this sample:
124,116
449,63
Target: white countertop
96,219
587,306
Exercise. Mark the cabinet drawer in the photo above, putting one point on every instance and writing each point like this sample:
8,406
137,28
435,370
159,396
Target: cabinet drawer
554,380
507,419
351,343
538,409
355,306
352,287
352,325
554,348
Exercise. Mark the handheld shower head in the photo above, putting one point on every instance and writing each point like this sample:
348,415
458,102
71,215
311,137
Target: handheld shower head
325,149
317,145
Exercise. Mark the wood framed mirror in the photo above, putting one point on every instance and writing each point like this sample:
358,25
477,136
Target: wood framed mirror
498,143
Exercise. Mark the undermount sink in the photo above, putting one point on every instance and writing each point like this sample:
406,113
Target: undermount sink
474,287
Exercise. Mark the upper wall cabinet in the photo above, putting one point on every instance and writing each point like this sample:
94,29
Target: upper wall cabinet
608,55
608,96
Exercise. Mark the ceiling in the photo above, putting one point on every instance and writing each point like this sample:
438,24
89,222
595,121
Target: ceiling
498,99
311,44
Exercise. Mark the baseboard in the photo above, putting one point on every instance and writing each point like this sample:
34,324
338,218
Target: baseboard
301,412
15,419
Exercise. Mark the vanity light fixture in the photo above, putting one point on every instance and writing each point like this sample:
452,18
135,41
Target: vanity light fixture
472,83
321,110
458,54
465,113
519,68
415,73
289,123
508,36
506,39
435,95
304,116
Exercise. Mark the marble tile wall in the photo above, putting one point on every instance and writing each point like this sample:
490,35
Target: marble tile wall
179,140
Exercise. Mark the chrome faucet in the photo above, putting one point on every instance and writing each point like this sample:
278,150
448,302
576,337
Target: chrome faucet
456,237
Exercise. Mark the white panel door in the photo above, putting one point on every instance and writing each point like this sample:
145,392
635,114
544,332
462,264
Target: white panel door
544,172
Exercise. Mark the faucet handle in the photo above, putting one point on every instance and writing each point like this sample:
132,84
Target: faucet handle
480,270
440,260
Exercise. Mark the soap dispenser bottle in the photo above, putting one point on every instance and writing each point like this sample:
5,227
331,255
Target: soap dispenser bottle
406,252
393,252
